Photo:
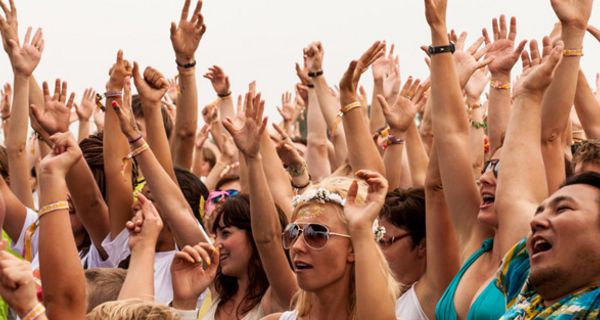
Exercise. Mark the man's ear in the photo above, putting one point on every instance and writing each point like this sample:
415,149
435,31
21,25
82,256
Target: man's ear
422,249
350,257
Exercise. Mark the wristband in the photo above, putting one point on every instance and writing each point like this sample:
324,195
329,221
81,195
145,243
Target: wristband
224,95
573,52
315,74
391,140
441,49
136,152
35,312
113,94
59,205
500,86
310,85
186,65
301,187
136,139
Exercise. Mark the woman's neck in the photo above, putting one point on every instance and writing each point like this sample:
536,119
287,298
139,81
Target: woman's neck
332,302
229,309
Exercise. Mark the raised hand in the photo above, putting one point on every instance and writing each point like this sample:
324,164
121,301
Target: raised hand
119,73
173,88
287,110
349,82
9,26
382,67
210,113
65,153
126,121
194,268
469,60
313,57
152,87
502,51
144,228
219,80
573,13
17,284
289,155
26,58
6,100
186,36
88,103
538,72
202,135
360,216
400,115
435,13
54,117
246,134
477,84
302,74
392,83
229,152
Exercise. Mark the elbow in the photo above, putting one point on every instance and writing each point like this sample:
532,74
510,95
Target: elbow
14,148
186,132
550,137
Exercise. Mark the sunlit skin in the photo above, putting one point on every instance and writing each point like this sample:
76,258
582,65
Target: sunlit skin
568,219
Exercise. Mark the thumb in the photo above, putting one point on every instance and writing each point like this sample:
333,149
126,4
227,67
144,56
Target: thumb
352,192
228,125
384,105
36,112
137,77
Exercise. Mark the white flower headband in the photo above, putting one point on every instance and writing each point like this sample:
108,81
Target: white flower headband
319,195
378,231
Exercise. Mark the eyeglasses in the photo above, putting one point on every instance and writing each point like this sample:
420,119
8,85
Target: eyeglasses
315,235
384,243
493,165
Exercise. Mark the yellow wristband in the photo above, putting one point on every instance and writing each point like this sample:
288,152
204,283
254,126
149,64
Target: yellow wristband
34,313
59,205
350,106
499,86
573,52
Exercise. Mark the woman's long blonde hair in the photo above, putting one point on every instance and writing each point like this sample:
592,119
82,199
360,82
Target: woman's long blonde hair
340,185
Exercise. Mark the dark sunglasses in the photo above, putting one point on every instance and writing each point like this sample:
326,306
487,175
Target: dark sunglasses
384,243
315,235
493,165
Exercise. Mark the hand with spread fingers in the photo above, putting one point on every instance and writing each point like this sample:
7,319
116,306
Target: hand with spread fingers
24,59
54,117
573,13
287,111
401,114
219,80
194,269
247,132
85,109
9,26
151,88
186,35
538,71
349,82
502,51
477,84
470,60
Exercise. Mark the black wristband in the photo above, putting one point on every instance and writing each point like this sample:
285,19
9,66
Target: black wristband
186,65
300,187
310,85
441,49
315,74
224,95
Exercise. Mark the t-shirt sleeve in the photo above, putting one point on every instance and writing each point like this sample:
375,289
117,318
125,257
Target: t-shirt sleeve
513,272
117,248
19,245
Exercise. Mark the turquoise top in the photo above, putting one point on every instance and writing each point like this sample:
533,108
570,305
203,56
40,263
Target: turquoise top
490,304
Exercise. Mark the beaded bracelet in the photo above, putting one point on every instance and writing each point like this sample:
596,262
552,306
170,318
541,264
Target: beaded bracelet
391,140
59,205
35,312
479,125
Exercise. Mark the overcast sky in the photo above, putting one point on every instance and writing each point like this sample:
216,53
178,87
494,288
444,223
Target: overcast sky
259,39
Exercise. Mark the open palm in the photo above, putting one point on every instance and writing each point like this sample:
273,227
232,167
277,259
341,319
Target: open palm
246,132
55,115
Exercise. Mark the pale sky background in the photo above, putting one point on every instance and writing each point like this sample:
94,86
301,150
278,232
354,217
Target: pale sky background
259,39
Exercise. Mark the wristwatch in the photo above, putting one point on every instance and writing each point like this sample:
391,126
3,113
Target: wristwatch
442,49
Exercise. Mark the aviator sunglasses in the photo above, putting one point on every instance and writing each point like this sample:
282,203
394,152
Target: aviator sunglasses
315,235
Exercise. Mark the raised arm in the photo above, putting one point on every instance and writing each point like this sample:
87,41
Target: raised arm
328,103
559,98
151,88
24,59
266,228
380,67
144,230
119,190
518,195
373,297
84,112
451,130
173,207
220,83
504,57
587,107
60,267
185,38
362,152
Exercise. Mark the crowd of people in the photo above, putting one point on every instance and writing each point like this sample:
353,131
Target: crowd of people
431,200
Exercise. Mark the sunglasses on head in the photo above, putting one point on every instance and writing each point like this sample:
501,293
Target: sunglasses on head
216,196
315,235
493,165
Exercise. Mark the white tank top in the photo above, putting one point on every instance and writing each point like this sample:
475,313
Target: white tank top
289,315
408,306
